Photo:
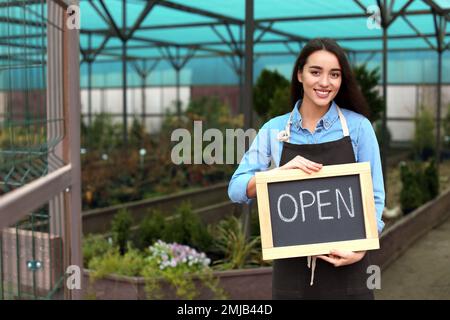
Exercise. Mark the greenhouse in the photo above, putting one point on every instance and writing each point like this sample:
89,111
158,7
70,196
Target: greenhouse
120,123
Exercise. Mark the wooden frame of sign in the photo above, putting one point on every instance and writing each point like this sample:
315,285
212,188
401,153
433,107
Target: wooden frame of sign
370,242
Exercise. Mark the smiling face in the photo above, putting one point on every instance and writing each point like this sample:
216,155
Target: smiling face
321,78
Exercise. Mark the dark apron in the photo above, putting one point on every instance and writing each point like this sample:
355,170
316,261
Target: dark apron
291,276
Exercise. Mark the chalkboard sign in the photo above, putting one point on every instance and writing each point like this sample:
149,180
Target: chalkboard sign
303,215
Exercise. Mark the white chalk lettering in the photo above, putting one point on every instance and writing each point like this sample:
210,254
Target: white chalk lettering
303,205
339,195
320,205
282,217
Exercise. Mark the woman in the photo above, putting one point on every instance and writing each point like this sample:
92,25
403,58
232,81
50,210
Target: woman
327,125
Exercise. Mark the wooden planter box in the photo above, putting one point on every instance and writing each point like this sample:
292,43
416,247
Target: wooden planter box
256,283
247,284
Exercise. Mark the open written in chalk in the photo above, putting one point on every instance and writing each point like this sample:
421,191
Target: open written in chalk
303,215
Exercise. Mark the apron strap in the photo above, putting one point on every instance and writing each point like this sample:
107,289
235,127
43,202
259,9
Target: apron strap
286,133
343,122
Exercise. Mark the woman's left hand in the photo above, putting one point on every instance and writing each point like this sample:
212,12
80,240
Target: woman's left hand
340,258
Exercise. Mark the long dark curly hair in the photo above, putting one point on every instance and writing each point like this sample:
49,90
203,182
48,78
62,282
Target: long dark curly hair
349,95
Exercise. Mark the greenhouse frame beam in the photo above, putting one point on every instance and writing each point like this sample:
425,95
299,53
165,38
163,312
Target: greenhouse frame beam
395,15
20,45
22,22
148,7
417,31
438,10
109,19
177,63
18,3
333,16
227,19
143,73
261,54
202,12
359,4
198,45
159,27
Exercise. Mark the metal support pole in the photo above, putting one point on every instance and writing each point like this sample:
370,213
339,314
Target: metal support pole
439,106
89,63
384,147
248,84
144,83
124,73
248,90
240,75
177,72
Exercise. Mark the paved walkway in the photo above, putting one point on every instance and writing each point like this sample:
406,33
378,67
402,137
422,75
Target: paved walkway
423,271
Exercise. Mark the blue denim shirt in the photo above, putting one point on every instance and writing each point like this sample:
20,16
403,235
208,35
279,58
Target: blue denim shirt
266,148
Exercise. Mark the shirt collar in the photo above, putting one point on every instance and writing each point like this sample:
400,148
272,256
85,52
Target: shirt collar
326,121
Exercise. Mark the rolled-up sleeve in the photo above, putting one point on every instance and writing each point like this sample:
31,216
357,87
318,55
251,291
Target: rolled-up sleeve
257,158
368,150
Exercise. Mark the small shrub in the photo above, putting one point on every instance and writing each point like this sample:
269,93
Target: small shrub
187,228
410,196
379,133
120,227
419,185
264,92
431,181
94,246
130,264
424,141
151,229
232,241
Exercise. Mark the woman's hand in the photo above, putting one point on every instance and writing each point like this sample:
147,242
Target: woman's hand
302,163
297,163
340,258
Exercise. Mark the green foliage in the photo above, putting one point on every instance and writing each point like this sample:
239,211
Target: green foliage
102,135
410,196
267,94
130,264
280,103
379,133
446,125
420,184
94,246
120,227
211,111
137,133
187,228
368,81
239,251
126,176
151,229
424,141
431,181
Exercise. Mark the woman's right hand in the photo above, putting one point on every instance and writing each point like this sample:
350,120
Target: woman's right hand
302,163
